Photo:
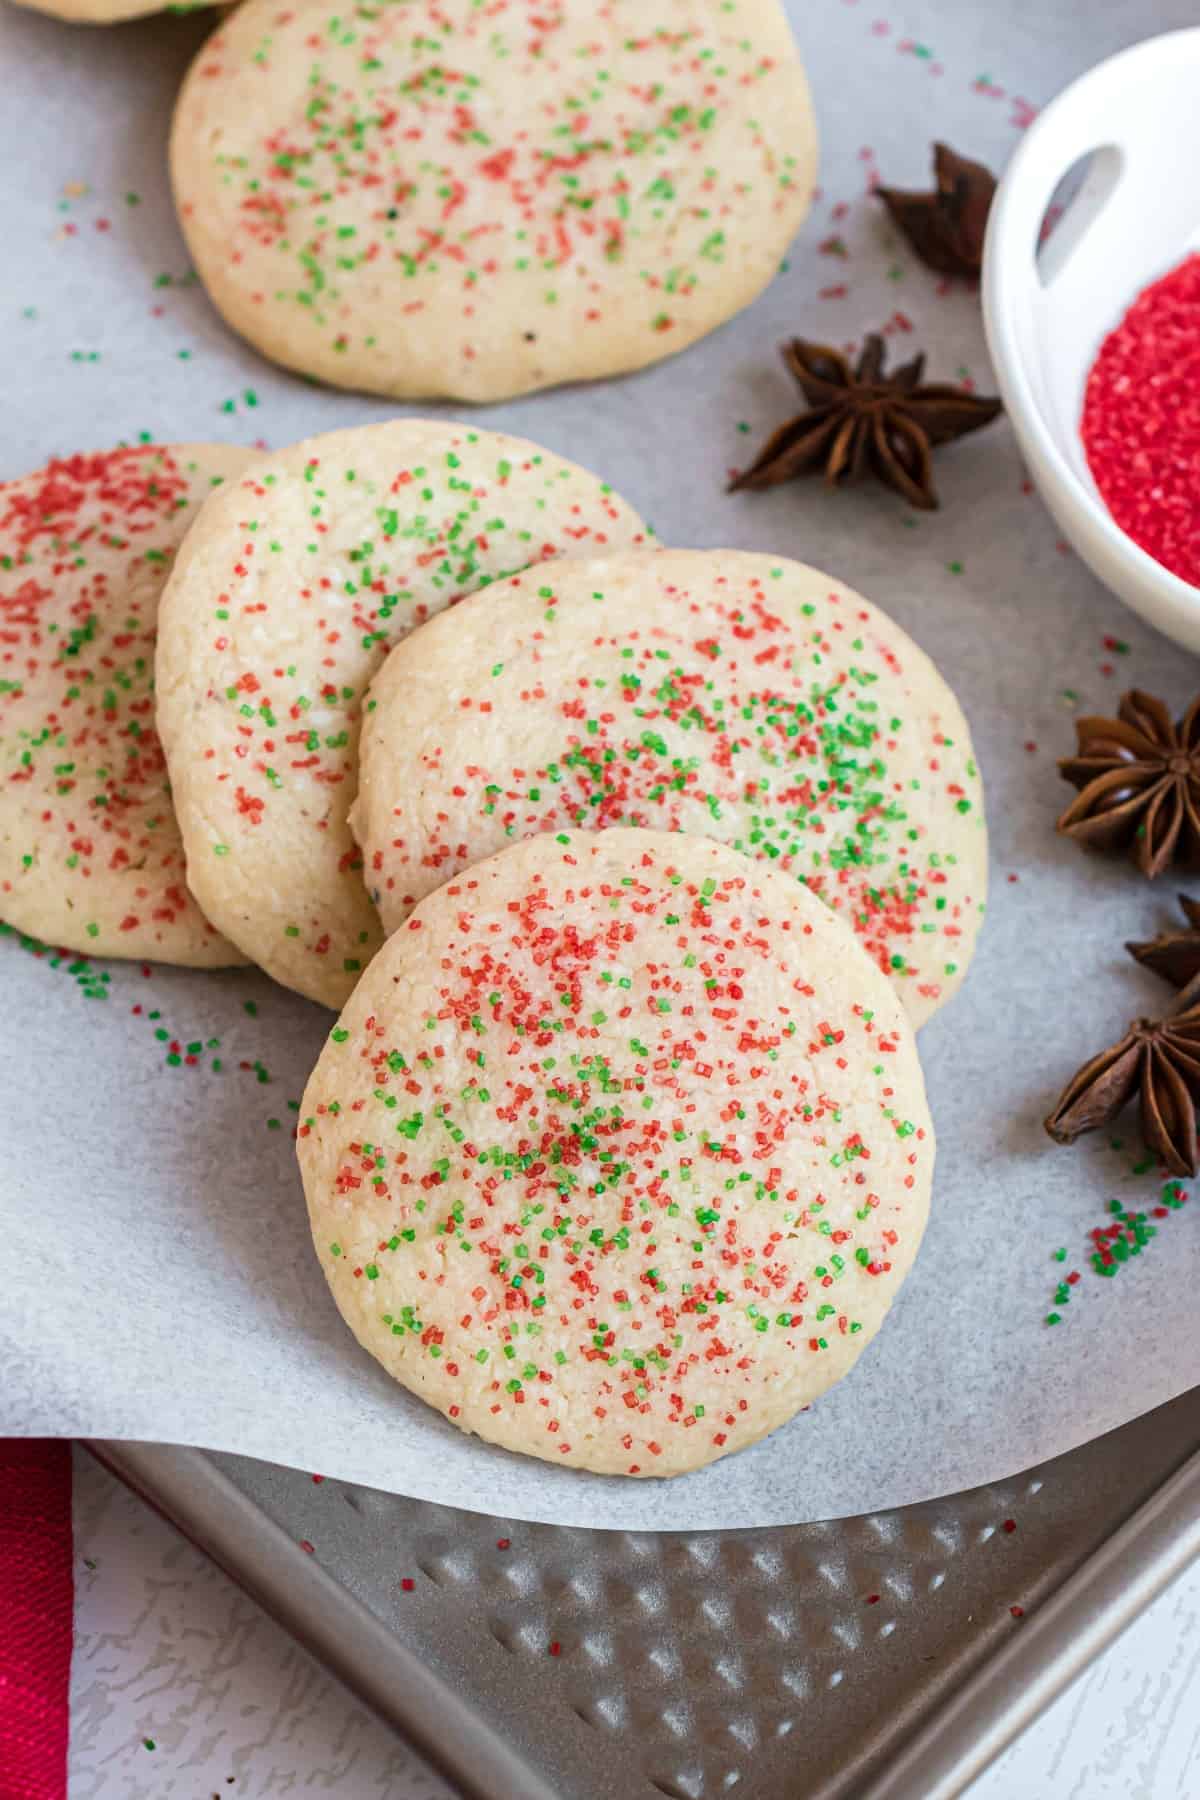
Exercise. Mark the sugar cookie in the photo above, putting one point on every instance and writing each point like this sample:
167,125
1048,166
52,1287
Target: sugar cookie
743,696
478,200
90,856
281,608
109,12
620,1152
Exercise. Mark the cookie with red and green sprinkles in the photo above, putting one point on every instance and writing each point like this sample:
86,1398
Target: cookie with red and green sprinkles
747,697
479,200
110,12
281,607
90,851
620,1152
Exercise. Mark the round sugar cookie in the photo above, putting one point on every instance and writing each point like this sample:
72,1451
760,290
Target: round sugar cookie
620,1151
478,200
282,606
743,696
90,853
108,12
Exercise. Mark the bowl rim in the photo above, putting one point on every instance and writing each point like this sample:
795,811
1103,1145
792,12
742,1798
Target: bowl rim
1038,444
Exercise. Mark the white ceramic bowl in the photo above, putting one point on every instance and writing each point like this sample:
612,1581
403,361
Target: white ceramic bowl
1136,214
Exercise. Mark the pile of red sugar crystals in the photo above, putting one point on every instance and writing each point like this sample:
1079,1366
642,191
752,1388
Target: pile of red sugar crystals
1141,421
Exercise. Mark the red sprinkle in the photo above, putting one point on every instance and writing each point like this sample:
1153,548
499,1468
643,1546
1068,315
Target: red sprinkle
407,1583
306,1547
1141,421
1010,1524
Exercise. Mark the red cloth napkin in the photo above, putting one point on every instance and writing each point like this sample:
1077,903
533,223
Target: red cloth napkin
37,1613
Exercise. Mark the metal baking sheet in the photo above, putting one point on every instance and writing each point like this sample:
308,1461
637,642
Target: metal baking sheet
886,1657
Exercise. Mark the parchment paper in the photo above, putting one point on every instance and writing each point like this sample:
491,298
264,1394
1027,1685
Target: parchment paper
156,1274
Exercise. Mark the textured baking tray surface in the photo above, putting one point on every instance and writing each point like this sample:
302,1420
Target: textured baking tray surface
789,1662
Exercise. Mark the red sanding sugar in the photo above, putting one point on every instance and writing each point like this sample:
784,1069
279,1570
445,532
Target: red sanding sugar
1141,420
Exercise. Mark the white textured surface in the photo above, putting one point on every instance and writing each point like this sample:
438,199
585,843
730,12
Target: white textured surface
167,1648
1129,1729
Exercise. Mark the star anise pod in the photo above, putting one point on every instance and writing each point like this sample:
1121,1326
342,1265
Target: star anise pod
946,227
1139,782
1175,955
863,420
1157,1059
